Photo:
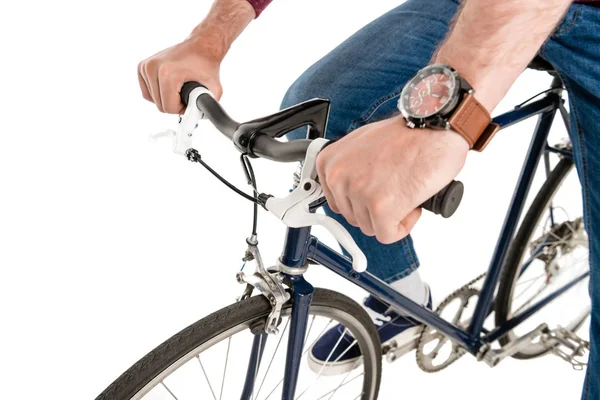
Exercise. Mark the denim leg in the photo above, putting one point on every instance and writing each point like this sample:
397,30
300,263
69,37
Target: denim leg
363,78
574,50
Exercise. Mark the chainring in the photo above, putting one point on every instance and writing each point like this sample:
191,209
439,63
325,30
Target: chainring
425,361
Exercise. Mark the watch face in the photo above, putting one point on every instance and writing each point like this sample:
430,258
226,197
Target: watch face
433,90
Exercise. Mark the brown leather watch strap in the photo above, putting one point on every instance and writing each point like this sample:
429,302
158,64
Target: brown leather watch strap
473,122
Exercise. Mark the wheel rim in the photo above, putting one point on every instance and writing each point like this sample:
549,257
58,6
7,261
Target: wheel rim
163,385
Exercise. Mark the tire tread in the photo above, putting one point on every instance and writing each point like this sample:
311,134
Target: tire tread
180,344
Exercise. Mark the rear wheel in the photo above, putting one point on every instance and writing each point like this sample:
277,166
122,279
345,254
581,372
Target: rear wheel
549,250
210,359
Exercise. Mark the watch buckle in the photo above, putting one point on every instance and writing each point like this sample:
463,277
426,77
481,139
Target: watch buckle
485,138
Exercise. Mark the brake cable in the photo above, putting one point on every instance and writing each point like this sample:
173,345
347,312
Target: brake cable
194,156
251,179
258,199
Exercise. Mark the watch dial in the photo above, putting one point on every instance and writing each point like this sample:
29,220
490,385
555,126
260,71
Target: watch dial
429,92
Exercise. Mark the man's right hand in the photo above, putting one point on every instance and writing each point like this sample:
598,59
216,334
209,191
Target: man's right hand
198,58
162,75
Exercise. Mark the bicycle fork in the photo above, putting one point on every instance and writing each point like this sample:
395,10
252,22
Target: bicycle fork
303,293
301,300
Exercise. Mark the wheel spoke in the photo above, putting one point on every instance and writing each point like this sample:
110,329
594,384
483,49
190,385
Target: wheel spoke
312,321
272,391
168,390
327,360
343,382
318,337
528,302
272,358
206,376
530,279
304,353
225,369
533,281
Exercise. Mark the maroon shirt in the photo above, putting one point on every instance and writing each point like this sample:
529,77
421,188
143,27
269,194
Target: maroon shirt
260,5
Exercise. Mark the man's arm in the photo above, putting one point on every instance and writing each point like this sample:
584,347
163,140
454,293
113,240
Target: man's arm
492,42
225,21
198,58
380,190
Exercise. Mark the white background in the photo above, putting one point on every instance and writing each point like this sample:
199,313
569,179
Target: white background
110,244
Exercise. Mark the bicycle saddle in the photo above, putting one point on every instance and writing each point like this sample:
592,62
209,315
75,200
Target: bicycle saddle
539,64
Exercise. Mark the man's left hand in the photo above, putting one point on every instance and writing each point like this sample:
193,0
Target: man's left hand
379,175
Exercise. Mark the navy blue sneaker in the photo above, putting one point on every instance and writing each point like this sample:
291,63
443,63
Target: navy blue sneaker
346,353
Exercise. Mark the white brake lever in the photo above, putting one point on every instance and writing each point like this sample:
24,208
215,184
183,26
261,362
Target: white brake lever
298,217
182,137
293,210
155,136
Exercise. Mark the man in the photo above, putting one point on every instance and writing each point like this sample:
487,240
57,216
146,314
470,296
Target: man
488,43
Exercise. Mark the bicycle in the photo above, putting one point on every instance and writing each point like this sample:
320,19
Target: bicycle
548,246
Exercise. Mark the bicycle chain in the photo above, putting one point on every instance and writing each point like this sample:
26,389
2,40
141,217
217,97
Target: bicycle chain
457,352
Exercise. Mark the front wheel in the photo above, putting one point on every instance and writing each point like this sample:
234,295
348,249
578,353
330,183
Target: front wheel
211,358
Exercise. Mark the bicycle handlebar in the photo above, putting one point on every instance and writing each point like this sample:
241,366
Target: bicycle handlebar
257,143
261,145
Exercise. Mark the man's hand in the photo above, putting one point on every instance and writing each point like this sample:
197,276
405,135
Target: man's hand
198,58
162,75
378,175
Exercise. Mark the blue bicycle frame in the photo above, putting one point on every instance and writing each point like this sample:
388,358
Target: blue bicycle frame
301,247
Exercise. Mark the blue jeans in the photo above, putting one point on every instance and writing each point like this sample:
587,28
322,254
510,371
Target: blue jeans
363,78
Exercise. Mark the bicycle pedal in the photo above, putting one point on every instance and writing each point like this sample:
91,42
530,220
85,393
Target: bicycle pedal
392,351
568,346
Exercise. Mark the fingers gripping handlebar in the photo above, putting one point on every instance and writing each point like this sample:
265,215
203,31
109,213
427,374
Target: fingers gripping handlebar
257,138
294,211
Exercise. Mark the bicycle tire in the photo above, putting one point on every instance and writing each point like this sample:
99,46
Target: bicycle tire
518,247
182,344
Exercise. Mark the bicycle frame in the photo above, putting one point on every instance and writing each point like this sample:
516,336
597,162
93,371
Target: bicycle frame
301,247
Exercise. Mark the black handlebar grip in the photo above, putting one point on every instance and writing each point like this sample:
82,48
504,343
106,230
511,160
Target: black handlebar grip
186,89
446,201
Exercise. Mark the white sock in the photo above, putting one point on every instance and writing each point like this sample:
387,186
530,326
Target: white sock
413,287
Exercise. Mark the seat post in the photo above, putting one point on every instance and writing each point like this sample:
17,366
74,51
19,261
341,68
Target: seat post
557,83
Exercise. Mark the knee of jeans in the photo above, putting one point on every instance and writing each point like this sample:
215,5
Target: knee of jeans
313,83
305,88
297,93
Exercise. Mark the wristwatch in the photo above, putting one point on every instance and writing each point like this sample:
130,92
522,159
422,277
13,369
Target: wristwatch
438,97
